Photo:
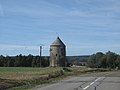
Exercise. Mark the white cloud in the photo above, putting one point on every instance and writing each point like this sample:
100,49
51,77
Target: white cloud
21,47
10,47
16,47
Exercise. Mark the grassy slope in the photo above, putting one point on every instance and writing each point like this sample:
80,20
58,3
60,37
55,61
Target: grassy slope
24,73
16,76
28,76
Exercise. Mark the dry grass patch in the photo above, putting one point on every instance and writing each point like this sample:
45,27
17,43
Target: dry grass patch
24,73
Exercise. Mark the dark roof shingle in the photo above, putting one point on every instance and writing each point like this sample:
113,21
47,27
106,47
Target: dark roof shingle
58,42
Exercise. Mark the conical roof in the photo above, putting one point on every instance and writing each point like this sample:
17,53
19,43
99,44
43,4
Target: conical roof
58,42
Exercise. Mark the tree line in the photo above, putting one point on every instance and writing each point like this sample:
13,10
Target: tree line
24,61
107,60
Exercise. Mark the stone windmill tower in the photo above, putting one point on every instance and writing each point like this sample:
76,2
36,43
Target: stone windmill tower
57,53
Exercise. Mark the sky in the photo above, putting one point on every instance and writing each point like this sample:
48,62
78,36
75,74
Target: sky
85,26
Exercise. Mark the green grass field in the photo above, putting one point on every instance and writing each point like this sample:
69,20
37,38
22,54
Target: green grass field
24,73
17,76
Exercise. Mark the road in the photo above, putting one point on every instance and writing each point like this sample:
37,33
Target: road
93,81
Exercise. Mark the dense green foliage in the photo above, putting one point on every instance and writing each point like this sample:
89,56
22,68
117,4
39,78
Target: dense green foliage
24,61
107,60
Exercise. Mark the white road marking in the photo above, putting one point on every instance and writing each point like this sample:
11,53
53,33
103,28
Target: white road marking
91,83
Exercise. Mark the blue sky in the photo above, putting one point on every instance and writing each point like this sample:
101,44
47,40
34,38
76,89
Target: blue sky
85,26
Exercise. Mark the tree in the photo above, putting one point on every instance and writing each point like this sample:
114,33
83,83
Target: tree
29,60
18,59
111,58
45,61
99,57
108,60
34,64
118,62
2,58
92,61
103,63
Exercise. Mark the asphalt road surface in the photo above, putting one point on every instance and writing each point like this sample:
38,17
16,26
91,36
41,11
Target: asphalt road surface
93,81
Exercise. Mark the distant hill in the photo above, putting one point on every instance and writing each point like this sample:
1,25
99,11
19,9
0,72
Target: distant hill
78,60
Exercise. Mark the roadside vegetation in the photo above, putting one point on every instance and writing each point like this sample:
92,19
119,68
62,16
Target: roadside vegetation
107,60
24,61
22,78
27,76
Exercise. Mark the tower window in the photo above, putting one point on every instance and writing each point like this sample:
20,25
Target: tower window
56,54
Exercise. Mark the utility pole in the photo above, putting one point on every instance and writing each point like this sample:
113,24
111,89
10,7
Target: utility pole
94,87
40,55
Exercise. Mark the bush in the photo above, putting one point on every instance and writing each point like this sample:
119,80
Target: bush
66,69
